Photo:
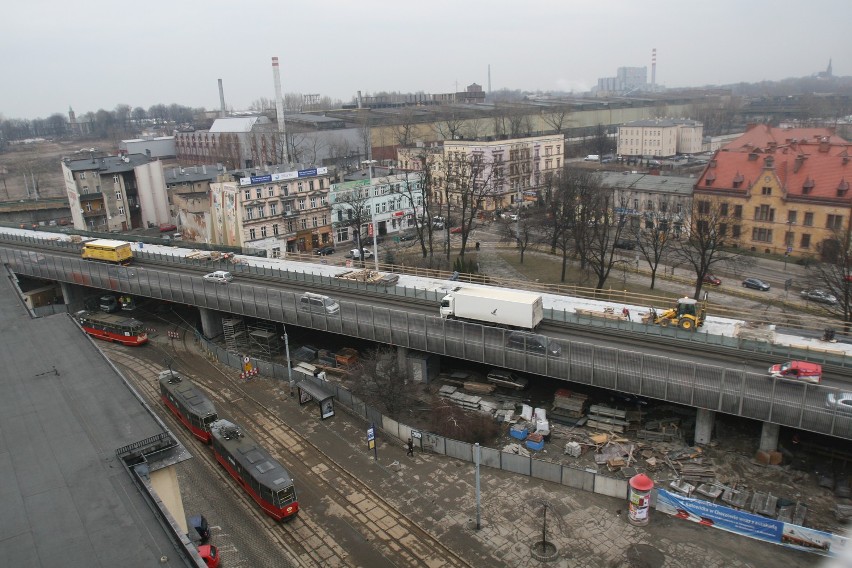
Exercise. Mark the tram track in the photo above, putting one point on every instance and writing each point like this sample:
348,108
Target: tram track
381,528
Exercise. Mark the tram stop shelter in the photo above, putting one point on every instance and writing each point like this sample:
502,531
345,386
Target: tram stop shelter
311,392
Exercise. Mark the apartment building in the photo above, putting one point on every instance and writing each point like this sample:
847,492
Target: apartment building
790,196
391,202
647,201
105,195
660,137
277,212
510,170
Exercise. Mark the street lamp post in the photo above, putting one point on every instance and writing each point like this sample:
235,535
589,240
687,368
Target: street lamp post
373,224
787,243
289,367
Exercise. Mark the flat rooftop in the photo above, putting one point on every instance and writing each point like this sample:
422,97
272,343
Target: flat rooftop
66,499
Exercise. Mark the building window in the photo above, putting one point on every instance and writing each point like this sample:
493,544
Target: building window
273,209
791,217
116,178
311,185
324,220
259,192
118,196
806,241
313,202
276,252
809,220
321,183
84,190
271,192
304,223
251,234
249,214
121,210
275,229
302,203
766,191
247,194
263,231
834,222
703,207
736,231
761,235
299,187
260,211
290,226
738,211
764,213
82,175
314,223
342,234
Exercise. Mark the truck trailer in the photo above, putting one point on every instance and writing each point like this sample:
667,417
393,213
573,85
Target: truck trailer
108,250
492,306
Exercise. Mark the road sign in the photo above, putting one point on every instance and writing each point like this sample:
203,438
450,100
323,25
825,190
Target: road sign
789,250
370,230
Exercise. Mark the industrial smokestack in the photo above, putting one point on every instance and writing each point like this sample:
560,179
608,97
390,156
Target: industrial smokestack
359,100
489,78
279,108
221,100
654,69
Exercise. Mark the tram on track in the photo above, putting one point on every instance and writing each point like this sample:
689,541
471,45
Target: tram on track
188,403
258,473
112,327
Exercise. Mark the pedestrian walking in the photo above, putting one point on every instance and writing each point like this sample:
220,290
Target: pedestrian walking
410,448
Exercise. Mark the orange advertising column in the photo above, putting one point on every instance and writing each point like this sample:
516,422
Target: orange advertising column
640,499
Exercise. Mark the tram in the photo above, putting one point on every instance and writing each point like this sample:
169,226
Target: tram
112,327
188,403
263,478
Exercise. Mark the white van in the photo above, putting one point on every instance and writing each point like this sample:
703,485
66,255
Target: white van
318,303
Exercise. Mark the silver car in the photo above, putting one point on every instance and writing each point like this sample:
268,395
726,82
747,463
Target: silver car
841,402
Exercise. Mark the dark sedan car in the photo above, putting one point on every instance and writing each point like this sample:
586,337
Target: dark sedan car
324,251
534,343
712,280
756,284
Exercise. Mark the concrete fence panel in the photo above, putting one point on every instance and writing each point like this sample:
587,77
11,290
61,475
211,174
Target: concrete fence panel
459,450
546,470
490,457
578,478
434,443
515,463
611,486
390,426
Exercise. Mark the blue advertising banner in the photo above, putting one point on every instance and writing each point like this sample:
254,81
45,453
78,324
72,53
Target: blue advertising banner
748,524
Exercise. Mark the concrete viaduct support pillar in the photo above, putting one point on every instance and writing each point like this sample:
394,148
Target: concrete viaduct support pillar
402,360
211,323
769,437
73,296
704,420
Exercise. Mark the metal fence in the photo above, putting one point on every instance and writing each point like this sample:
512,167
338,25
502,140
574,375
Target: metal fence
725,389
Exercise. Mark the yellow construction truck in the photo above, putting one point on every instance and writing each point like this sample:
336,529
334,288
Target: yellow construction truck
687,314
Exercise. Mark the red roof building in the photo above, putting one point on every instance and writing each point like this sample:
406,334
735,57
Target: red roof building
786,191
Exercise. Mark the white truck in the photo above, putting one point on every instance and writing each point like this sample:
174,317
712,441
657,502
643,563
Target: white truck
492,306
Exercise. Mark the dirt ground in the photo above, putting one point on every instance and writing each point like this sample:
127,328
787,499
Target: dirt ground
39,164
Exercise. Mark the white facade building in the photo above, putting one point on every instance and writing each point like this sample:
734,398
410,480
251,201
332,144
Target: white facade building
660,137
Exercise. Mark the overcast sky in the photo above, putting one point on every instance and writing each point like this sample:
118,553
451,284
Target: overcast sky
97,54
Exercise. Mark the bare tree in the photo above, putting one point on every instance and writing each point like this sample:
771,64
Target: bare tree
524,231
835,273
381,382
450,126
467,181
557,118
706,245
654,241
351,211
422,185
602,227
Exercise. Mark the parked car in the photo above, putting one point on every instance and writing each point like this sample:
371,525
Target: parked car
456,230
841,401
323,251
510,216
798,370
109,304
625,244
534,343
167,227
820,296
756,284
357,255
712,280
219,277
408,237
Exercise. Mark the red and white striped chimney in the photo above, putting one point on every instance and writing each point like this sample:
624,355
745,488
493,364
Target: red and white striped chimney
279,109
654,69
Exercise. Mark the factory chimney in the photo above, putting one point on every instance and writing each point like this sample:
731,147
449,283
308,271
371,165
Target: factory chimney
221,100
279,109
654,69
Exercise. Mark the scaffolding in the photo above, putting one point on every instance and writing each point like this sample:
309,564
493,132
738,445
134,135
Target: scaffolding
263,339
236,339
